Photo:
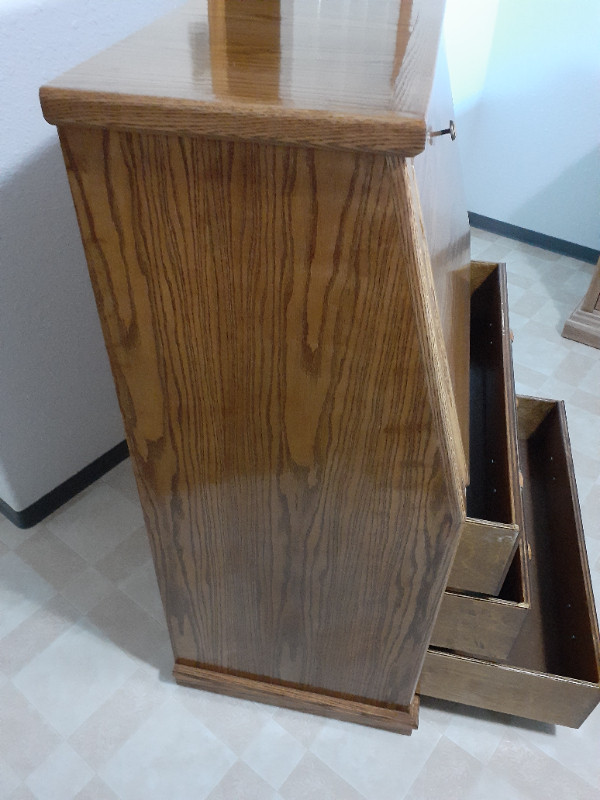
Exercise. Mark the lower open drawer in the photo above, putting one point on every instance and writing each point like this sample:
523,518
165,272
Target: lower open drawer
553,671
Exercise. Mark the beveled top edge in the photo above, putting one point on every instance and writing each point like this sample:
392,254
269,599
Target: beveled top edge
269,70
401,136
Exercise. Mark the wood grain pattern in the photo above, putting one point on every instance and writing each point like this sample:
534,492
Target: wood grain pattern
553,671
398,720
258,316
485,551
429,329
443,207
334,75
486,627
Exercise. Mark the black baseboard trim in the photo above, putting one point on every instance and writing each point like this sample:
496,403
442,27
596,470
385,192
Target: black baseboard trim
551,243
43,507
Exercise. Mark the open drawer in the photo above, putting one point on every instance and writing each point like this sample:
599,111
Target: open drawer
553,672
489,537
486,626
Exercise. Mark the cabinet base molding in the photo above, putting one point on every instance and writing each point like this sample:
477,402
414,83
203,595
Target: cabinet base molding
583,326
390,718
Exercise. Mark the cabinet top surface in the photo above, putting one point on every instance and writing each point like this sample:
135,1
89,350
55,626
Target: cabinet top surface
365,66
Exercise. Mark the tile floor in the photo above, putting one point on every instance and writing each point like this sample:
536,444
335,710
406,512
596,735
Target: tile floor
88,709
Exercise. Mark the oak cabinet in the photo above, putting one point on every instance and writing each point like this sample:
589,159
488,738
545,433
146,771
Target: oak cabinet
272,217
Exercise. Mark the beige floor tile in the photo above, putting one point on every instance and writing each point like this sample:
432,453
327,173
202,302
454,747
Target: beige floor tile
22,793
129,627
171,755
96,521
26,739
242,783
588,401
22,592
304,727
314,780
51,558
141,586
536,252
449,772
127,556
73,677
591,382
62,775
477,732
273,753
9,780
12,536
538,775
235,722
491,786
380,765
35,633
96,789
103,732
87,589
121,478
577,750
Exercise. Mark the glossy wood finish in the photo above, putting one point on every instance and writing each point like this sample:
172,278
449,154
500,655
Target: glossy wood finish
553,672
329,74
393,719
489,537
429,328
447,231
288,422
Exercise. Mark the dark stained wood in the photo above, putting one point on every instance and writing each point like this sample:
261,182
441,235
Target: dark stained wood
489,537
486,627
398,720
256,303
258,69
553,672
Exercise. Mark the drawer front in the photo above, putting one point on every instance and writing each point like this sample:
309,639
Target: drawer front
486,627
489,537
485,552
553,671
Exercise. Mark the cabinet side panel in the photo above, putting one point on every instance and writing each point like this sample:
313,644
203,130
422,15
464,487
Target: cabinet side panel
258,318
444,214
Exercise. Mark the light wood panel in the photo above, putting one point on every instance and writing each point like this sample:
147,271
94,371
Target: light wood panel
256,306
333,75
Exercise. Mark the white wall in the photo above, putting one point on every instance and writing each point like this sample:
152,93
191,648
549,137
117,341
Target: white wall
526,80
58,410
